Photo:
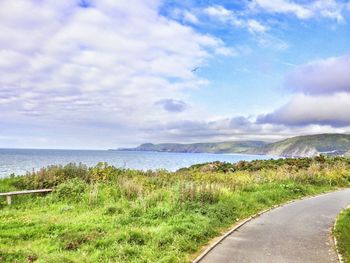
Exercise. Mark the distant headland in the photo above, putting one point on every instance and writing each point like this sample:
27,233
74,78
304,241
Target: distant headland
299,146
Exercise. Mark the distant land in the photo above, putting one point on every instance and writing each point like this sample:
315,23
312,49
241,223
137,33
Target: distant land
300,146
216,147
307,146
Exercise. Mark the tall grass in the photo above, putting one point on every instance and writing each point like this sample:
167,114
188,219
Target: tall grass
342,233
108,214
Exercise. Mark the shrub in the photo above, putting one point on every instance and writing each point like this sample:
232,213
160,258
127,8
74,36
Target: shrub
104,172
73,189
54,175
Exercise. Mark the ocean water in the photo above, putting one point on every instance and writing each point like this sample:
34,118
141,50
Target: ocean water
19,161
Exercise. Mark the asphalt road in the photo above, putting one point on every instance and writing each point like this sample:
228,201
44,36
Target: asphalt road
296,232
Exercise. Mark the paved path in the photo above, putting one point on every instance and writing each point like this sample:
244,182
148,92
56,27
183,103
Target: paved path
296,232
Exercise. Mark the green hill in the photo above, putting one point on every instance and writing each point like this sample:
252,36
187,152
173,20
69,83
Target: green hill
219,147
307,146
300,146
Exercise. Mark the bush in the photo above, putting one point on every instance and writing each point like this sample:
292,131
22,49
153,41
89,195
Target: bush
54,175
72,190
104,172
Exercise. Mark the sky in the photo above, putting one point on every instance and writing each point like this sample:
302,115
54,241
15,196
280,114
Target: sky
99,74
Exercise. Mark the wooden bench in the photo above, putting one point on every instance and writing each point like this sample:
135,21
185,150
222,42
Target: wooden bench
10,194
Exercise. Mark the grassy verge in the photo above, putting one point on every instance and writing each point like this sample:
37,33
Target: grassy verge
342,233
106,214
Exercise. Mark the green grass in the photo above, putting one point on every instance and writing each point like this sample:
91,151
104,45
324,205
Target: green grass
342,233
105,214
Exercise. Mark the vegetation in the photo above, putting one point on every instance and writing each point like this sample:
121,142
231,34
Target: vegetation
342,233
107,214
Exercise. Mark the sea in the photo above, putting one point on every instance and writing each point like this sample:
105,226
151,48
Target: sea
20,161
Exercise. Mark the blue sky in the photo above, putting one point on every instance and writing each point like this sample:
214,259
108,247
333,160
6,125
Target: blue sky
106,74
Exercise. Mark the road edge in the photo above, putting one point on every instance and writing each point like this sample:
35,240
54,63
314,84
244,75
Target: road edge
245,221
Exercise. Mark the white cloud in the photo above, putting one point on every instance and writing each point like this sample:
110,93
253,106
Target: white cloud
283,6
270,41
220,13
255,26
184,15
117,71
323,76
321,8
225,51
111,61
190,17
322,96
329,9
224,15
306,110
259,31
227,16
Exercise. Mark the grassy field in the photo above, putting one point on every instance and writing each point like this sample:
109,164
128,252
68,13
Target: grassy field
342,233
106,214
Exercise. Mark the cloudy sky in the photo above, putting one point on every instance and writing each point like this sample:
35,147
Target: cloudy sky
113,73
